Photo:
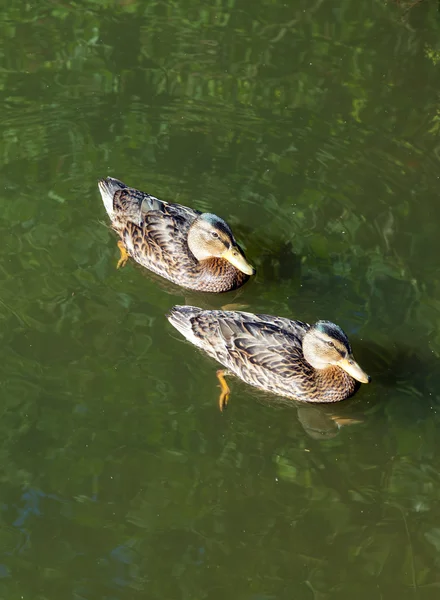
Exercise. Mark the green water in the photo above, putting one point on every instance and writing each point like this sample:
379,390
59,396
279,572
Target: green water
313,128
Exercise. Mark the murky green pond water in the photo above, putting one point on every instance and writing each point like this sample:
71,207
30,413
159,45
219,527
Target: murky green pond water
313,128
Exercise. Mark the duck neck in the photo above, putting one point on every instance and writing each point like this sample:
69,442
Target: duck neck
219,273
334,383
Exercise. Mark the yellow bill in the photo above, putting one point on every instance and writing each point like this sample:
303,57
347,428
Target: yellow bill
351,367
236,258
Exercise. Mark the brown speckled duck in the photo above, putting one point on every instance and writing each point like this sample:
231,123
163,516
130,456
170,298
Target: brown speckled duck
193,249
311,363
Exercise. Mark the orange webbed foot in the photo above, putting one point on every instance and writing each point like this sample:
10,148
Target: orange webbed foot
225,391
124,255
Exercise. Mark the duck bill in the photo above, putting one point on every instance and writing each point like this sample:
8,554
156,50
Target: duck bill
351,367
236,258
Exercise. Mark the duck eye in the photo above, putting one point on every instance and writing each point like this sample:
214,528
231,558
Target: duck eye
330,344
215,235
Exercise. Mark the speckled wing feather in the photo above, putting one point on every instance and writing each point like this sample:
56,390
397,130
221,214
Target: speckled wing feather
262,350
154,231
134,205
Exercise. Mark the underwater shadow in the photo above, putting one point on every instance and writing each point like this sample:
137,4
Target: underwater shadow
408,375
319,421
397,363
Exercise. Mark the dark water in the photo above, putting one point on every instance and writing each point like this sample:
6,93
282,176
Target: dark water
313,128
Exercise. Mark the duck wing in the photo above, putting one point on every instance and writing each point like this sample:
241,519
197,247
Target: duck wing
261,344
244,342
126,204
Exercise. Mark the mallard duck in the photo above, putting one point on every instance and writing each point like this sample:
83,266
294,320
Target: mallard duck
193,249
312,363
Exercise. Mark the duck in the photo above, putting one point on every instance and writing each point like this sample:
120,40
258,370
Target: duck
308,363
195,250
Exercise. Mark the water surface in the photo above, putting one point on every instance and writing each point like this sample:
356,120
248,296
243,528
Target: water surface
313,128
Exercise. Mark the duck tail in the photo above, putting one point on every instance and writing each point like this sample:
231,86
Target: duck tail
181,317
108,188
